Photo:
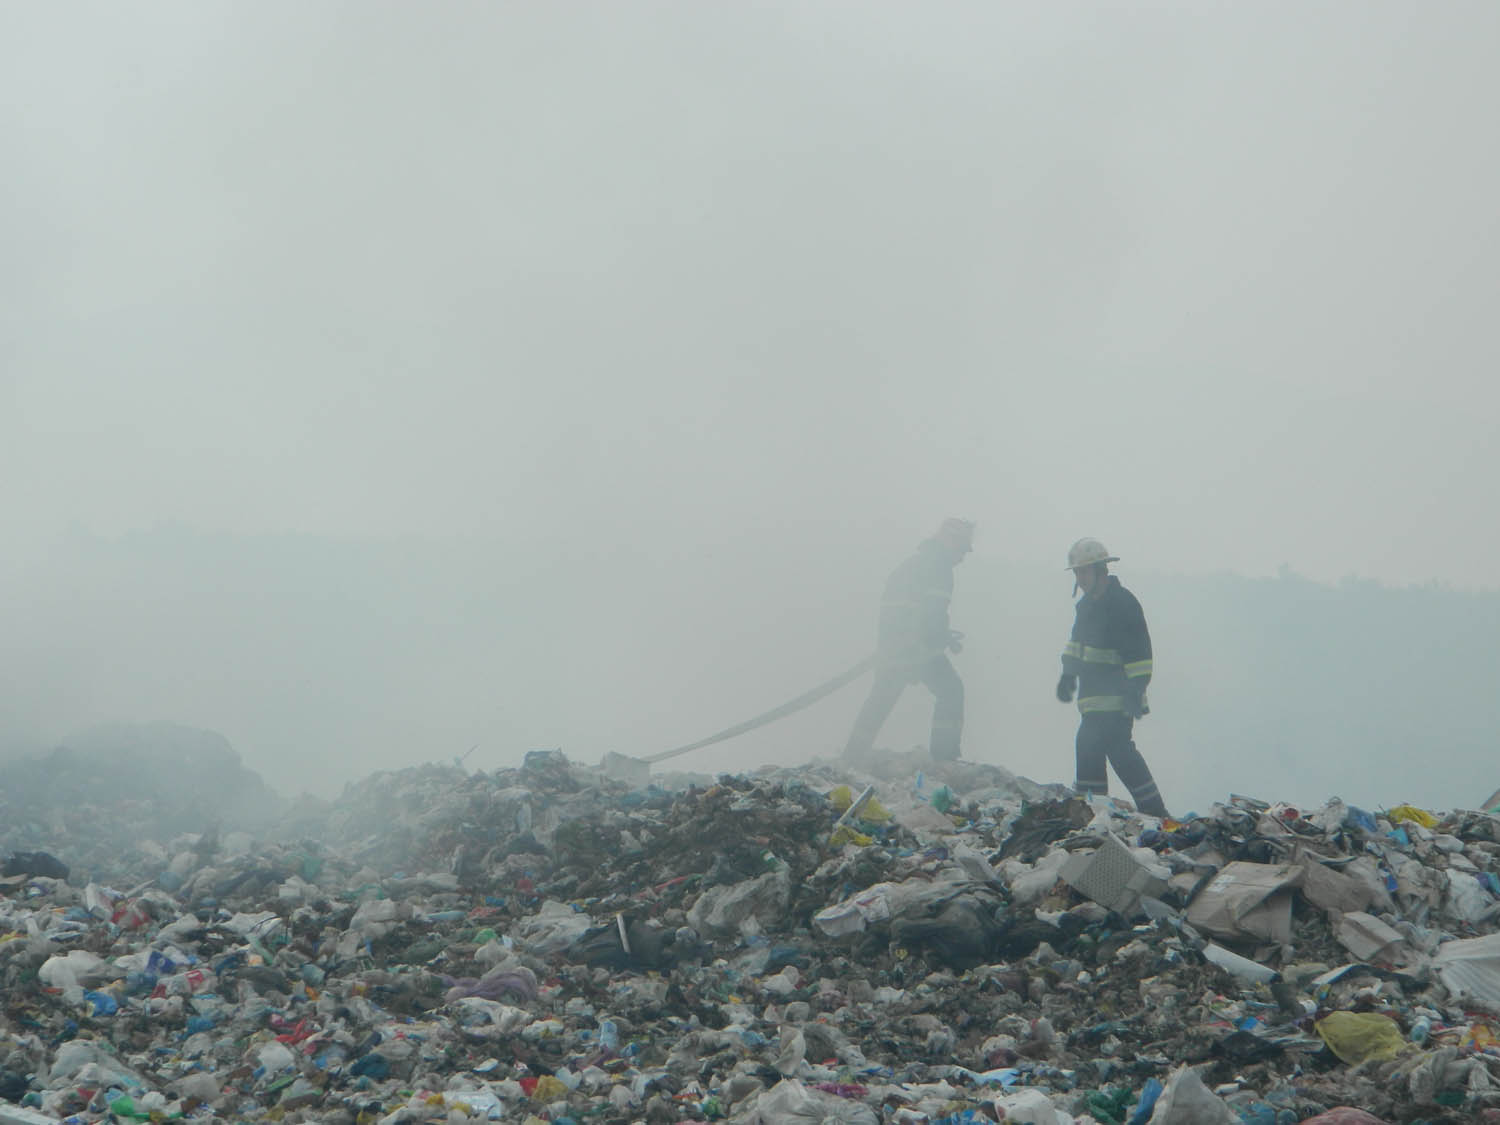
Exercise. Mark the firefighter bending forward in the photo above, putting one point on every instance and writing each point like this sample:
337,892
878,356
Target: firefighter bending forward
1108,661
913,642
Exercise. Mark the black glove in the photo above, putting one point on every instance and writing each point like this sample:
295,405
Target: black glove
955,641
1135,706
1066,686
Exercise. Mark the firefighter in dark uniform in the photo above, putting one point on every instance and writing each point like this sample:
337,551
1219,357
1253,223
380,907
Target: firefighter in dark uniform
1108,662
913,641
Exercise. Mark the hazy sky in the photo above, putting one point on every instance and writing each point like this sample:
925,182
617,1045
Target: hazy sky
1207,281
733,289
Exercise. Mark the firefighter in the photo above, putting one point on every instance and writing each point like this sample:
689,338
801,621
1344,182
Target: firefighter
1107,661
913,640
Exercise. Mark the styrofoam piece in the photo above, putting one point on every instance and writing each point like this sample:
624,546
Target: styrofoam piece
1113,876
1245,969
1470,968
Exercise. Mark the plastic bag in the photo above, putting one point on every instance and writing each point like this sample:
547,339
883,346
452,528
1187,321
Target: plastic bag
1357,1037
791,1103
1411,812
1344,1115
737,908
1031,1107
1187,1101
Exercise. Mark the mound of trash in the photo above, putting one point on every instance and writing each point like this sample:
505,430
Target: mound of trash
100,793
893,939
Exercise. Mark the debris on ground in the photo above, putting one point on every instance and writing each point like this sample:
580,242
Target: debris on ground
887,940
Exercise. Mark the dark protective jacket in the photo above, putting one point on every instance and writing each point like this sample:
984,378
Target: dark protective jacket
1110,649
914,608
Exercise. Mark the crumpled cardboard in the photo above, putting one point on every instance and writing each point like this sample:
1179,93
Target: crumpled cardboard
1329,887
1248,900
1367,937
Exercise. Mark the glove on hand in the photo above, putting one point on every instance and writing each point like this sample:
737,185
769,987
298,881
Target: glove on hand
1065,687
1135,705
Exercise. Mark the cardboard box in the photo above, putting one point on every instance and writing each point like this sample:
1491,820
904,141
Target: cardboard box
1248,900
1367,937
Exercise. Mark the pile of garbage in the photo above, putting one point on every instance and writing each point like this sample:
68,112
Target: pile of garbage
105,791
887,940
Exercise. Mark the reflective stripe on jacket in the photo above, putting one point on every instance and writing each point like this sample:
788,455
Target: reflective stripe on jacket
1109,650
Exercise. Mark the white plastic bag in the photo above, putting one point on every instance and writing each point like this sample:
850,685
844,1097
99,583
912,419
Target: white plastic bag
1187,1101
791,1103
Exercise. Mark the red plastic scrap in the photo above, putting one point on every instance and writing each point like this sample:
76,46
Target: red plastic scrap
298,1033
130,916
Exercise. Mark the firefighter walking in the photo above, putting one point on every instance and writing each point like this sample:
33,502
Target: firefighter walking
1107,661
913,640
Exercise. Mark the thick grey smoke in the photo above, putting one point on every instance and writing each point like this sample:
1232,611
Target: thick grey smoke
529,374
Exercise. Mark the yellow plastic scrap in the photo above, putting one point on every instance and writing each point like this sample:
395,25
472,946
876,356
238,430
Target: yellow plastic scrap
1477,1036
841,797
1357,1037
549,1089
844,834
1411,812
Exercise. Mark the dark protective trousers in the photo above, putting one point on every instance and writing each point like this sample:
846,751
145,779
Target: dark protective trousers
1105,737
947,708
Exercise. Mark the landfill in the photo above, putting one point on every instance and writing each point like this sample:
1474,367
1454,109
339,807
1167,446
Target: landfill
890,939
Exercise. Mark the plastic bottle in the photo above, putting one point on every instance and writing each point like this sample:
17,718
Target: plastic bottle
1421,1028
609,1035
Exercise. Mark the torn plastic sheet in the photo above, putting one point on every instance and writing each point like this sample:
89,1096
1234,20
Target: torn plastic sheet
882,902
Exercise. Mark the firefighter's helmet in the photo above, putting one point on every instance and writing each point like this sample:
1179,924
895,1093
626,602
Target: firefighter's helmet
1087,552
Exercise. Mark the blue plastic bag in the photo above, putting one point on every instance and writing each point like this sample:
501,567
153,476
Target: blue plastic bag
1147,1105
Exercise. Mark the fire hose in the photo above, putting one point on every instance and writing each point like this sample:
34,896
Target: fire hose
791,707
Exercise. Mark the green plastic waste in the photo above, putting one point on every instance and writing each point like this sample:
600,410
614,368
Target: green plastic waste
124,1106
1111,1105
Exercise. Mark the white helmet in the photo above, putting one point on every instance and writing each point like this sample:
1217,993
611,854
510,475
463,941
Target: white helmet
1087,552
